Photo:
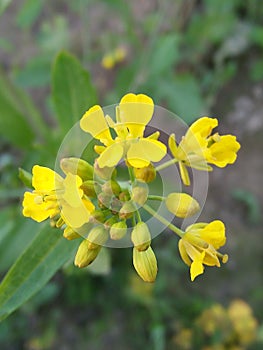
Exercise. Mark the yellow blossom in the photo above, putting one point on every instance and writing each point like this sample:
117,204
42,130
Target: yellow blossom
132,114
199,246
54,195
198,148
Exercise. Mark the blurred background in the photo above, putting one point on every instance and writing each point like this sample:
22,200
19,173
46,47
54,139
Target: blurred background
195,58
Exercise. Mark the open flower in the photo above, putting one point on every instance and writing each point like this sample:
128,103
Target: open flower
132,115
199,246
54,195
198,148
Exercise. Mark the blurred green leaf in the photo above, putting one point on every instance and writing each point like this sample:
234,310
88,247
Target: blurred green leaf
102,264
256,70
3,5
29,13
251,202
72,90
165,54
20,122
37,264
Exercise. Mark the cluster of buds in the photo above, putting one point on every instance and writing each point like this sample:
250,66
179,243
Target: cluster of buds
98,204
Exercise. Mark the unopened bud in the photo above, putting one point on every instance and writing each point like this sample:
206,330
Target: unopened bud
118,230
97,237
104,200
90,188
97,216
77,166
182,205
111,221
145,264
127,210
140,193
85,256
141,237
70,234
146,174
105,173
124,196
25,177
115,205
111,187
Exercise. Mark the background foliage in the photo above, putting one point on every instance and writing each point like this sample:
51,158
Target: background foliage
193,57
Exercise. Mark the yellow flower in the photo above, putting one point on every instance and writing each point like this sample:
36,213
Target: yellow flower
132,114
54,195
199,246
198,148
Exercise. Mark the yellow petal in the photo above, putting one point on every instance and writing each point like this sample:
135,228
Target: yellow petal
34,209
183,253
111,156
78,216
135,112
196,269
141,153
73,193
184,174
225,151
173,146
94,122
214,233
45,179
203,126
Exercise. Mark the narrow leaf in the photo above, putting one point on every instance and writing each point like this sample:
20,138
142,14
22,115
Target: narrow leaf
32,270
72,90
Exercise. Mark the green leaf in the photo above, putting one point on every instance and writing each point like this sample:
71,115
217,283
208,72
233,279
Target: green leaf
32,270
3,5
72,90
20,121
29,13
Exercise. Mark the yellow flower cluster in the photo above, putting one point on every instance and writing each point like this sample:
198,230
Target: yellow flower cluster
93,204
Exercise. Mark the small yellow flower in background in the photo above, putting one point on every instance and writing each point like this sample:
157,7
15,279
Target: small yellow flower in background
53,195
133,114
111,59
198,148
199,246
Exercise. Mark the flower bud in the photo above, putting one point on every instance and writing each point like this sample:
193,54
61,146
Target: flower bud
182,205
25,177
140,193
146,174
115,205
105,173
77,166
145,264
104,200
141,237
111,187
97,237
85,256
70,234
108,223
126,210
90,188
124,196
118,230
97,216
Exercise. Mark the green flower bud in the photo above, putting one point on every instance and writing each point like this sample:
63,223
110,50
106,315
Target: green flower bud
145,264
90,188
127,210
146,174
111,187
70,234
97,216
25,177
77,166
108,223
104,200
105,173
115,205
97,237
182,205
85,256
141,237
118,230
124,196
140,193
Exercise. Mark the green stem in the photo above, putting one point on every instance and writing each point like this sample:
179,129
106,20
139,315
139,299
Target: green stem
131,174
166,164
172,227
155,198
